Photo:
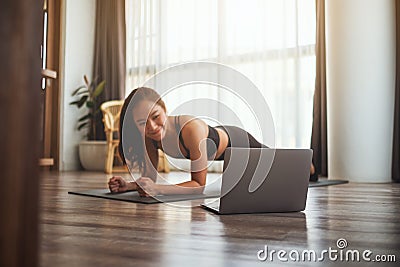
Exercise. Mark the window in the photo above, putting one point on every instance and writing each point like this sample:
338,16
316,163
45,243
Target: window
272,42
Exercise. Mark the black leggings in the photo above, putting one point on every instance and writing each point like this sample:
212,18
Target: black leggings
237,137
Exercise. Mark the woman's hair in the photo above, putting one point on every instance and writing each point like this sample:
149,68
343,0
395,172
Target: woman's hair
132,138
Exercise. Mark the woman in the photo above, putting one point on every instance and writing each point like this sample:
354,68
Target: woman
178,136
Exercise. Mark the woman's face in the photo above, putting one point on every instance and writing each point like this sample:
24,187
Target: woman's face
150,119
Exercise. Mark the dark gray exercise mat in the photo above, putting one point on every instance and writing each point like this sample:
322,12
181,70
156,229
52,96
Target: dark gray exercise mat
134,196
326,182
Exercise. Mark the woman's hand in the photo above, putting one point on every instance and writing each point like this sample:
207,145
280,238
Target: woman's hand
147,187
117,184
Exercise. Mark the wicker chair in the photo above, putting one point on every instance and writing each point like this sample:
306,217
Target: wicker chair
111,112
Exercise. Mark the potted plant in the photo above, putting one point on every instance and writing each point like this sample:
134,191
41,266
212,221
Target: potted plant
92,153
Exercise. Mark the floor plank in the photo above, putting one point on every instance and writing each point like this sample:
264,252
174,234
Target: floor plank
84,231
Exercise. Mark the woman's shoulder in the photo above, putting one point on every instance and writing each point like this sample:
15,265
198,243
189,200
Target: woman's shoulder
185,118
191,125
190,121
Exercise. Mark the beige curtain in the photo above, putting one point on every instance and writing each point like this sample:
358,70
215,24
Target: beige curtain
109,54
396,131
319,127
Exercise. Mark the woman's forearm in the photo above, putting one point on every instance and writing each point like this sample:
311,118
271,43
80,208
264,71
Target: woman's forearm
132,186
189,187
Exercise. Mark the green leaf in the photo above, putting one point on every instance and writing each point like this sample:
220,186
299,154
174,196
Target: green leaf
86,80
89,104
82,125
82,101
77,90
74,102
83,92
83,118
99,89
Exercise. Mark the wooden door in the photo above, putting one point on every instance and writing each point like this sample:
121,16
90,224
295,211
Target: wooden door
20,34
50,104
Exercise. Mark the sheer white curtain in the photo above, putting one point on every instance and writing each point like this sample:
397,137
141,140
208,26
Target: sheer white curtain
269,41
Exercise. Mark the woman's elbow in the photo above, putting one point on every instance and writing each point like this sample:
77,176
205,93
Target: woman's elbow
200,187
198,190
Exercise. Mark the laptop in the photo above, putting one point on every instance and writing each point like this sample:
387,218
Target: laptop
256,180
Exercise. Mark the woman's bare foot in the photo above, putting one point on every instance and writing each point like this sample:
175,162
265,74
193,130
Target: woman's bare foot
313,173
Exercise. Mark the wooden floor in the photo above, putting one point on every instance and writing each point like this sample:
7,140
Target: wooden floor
84,231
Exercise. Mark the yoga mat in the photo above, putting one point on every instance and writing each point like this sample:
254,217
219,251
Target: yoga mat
326,182
134,196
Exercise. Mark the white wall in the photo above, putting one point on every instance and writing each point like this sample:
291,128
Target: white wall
76,60
360,88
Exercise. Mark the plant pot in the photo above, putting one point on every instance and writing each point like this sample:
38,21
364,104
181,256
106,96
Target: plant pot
92,155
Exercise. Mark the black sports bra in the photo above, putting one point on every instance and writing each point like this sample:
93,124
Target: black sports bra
212,139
